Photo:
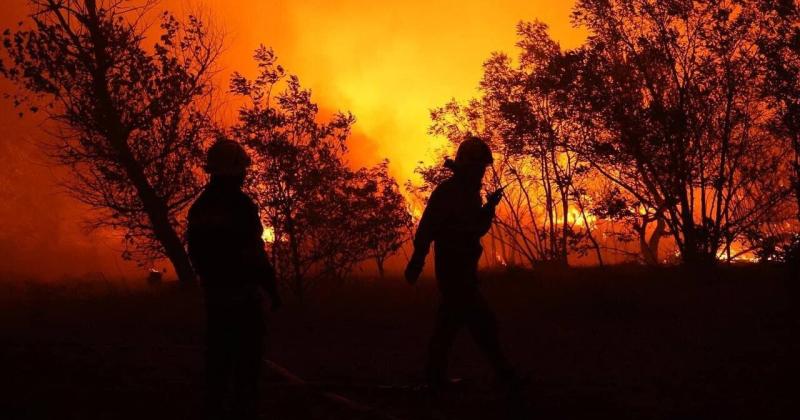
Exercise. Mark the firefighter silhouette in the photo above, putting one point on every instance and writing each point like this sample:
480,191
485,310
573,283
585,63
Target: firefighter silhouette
226,249
455,220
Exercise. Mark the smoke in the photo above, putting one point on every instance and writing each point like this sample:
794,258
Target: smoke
388,64
41,234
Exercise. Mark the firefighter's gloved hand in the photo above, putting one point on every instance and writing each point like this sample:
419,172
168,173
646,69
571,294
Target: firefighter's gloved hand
494,198
413,270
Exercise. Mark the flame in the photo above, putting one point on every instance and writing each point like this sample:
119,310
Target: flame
388,63
415,211
269,234
576,218
748,256
499,258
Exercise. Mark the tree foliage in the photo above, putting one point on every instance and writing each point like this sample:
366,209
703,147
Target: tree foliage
524,113
671,90
779,43
127,117
676,119
325,216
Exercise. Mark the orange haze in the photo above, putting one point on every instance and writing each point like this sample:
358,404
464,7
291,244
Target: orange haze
387,63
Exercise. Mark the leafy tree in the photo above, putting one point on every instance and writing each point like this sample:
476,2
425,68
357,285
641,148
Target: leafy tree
128,118
381,215
670,90
524,112
780,46
325,216
297,160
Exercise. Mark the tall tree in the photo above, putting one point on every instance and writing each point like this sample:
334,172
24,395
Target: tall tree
380,214
670,90
524,112
780,45
297,159
363,217
128,117
325,216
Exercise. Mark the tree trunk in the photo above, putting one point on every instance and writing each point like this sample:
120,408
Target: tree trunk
592,239
564,252
173,246
796,144
649,247
108,117
655,239
644,249
298,279
158,214
296,270
379,263
691,253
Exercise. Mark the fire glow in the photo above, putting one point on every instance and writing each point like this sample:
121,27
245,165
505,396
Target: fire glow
388,64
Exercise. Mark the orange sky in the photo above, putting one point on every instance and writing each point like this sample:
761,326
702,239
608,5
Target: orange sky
388,63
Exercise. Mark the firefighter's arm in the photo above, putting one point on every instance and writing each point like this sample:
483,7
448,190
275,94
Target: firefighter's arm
487,211
430,221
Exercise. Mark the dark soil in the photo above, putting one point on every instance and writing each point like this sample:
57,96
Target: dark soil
622,342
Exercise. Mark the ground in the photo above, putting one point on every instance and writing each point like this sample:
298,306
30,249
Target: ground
619,343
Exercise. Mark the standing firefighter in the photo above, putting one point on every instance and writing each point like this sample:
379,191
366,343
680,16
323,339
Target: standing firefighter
455,220
227,251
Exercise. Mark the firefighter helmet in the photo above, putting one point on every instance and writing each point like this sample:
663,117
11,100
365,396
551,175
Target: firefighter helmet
227,157
473,151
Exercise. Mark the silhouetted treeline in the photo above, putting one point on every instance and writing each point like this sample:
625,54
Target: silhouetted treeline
127,118
131,117
675,120
323,216
672,134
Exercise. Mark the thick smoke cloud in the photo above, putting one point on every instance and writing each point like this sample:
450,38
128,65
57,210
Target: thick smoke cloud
387,63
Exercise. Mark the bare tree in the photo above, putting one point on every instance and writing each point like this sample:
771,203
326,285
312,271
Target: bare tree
128,118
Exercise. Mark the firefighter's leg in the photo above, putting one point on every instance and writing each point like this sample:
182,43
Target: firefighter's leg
218,364
482,326
249,353
448,323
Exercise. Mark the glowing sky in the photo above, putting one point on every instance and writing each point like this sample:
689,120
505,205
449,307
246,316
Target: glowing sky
388,63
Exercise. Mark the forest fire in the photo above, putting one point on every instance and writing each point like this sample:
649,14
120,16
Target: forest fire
561,190
573,188
595,177
388,65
